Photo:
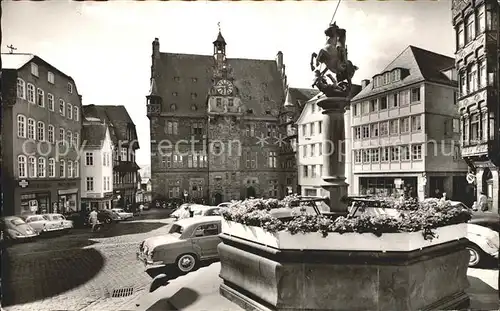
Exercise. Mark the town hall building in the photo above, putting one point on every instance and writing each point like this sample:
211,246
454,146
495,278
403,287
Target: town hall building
214,124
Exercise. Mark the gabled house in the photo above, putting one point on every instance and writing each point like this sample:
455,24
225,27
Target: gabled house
96,164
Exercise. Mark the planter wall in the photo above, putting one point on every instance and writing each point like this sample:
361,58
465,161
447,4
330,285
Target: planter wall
389,242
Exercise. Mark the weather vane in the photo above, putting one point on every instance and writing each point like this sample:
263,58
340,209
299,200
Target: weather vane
218,25
11,48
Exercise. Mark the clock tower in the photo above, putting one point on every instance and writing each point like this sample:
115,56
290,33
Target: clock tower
225,112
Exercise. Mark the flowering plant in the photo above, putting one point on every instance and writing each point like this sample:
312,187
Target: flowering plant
414,216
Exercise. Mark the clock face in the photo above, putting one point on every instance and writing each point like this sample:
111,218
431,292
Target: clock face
224,87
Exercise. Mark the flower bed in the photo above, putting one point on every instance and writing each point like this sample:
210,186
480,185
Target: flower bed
425,218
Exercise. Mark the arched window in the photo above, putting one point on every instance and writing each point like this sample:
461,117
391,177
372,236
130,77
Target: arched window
70,169
51,133
52,167
69,138
76,113
40,131
21,126
76,169
30,93
22,167
69,108
62,110
32,167
21,88
31,129
41,167
40,98
62,168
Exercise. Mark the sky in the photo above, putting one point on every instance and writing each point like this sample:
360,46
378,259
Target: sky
106,46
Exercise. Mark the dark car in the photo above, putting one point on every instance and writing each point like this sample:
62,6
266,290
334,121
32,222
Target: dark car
15,229
108,216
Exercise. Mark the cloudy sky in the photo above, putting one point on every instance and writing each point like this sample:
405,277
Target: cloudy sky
106,47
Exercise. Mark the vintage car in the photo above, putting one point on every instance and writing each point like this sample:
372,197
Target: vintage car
65,223
206,211
189,241
42,224
123,215
15,229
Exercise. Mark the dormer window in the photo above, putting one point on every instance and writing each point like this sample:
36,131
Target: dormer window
34,69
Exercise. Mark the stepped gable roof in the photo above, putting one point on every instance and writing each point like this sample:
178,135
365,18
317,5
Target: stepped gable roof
185,80
94,134
422,65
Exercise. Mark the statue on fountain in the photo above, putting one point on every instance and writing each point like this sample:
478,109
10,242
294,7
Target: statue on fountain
334,57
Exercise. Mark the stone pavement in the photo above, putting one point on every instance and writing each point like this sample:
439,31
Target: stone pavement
78,271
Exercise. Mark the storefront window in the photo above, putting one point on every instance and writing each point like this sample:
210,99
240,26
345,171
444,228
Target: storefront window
35,203
67,203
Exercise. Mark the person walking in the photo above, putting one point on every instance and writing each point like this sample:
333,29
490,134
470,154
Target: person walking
93,219
141,207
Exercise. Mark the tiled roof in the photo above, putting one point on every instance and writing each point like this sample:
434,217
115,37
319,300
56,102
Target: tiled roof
185,80
423,65
116,116
15,60
93,134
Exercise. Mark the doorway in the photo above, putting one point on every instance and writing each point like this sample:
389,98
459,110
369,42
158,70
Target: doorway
250,192
217,198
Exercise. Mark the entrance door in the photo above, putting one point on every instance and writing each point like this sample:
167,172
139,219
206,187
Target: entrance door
250,192
218,198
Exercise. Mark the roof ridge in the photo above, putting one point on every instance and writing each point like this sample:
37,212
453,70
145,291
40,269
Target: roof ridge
430,52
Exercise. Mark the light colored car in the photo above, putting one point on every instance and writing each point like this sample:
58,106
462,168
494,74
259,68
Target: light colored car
14,228
196,209
189,241
66,224
42,224
207,211
225,204
484,243
123,215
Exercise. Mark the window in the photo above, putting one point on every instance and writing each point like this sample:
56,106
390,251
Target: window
383,103
374,129
404,98
89,158
52,167
50,77
416,152
70,88
70,169
22,166
34,69
40,100
394,127
394,100
21,126
50,102
475,134
472,78
62,168
320,127
405,153
383,129
484,127
304,130
219,102
460,36
313,171
405,125
384,154
456,126
304,171
76,113
320,148
168,161
41,167
21,88
416,123
311,128
373,105
366,131
481,20
304,151
272,159
271,130
357,132
32,167
375,155
357,156
62,111
30,93
463,83
31,129
312,150
355,110
61,135
90,183
415,95
365,108
69,138
69,108
394,153
469,29
366,156
76,169
40,131
482,73
491,18
76,140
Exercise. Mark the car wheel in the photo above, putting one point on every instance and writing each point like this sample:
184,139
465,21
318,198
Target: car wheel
108,221
475,254
186,263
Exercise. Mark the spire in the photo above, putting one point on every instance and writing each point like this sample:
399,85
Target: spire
219,43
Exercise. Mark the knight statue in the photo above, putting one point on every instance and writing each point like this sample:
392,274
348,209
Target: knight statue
334,56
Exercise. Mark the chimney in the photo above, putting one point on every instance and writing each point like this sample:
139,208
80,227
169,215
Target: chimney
364,83
279,61
156,48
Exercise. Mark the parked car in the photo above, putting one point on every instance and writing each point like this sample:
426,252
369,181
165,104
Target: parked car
123,215
42,224
177,212
225,204
108,216
65,223
189,241
14,228
206,211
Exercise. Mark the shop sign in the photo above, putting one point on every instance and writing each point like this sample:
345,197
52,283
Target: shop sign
68,191
23,183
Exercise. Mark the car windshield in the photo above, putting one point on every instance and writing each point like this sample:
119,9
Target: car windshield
17,221
176,229
45,218
213,212
118,211
57,217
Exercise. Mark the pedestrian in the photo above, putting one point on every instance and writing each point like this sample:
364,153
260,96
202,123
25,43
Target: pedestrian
185,212
141,207
437,193
93,219
483,202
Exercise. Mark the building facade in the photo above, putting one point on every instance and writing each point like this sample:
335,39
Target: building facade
405,130
144,192
477,31
96,165
125,144
214,125
41,118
